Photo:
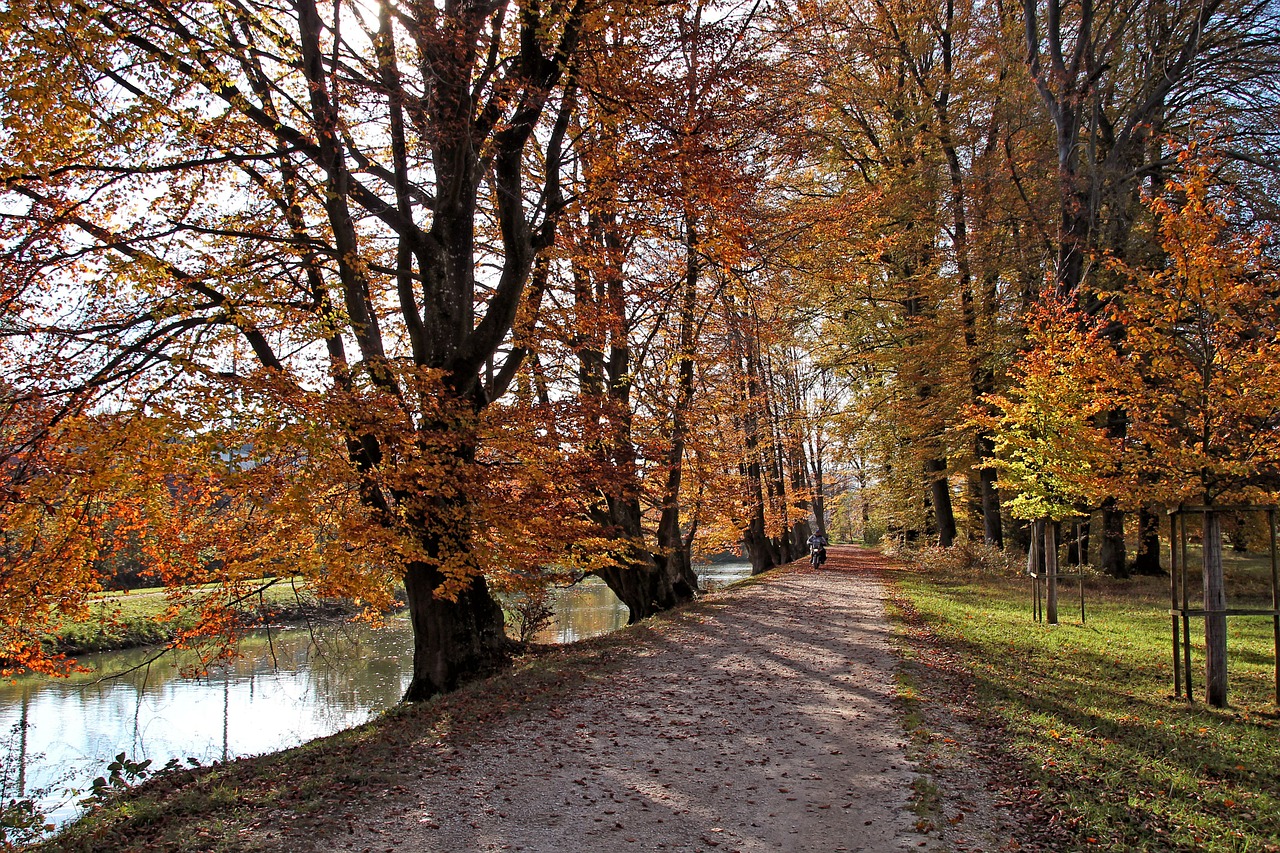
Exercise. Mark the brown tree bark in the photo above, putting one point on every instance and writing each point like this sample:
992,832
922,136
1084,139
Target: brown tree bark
1147,560
1111,547
940,500
453,641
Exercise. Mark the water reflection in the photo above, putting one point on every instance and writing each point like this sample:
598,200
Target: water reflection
590,608
289,686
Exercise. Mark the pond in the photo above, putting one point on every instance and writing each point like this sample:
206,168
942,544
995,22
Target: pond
290,685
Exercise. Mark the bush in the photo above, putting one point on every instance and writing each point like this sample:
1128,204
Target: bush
530,611
971,558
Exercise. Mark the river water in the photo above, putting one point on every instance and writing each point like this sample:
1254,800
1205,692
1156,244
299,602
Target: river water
288,686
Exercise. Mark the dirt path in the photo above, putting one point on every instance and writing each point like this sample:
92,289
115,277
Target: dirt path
765,723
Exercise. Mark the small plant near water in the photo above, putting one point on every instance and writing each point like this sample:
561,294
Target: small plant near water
22,821
123,773
531,610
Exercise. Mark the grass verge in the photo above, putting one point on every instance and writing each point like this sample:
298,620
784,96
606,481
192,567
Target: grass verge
141,617
1087,714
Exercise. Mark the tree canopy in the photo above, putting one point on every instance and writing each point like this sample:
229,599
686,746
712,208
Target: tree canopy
475,297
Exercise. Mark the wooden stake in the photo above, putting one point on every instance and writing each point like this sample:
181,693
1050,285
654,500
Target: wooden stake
1215,620
1051,571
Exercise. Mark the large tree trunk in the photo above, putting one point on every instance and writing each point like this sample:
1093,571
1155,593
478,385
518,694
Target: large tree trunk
940,499
673,556
819,496
1147,561
642,578
1111,551
761,550
453,641
992,526
643,583
647,580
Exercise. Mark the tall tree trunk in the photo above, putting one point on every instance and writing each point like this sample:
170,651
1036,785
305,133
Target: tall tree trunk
1147,561
641,583
1112,557
940,499
638,577
820,498
673,556
647,580
453,641
763,551
992,524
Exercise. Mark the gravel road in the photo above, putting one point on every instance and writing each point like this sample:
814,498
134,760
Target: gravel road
762,722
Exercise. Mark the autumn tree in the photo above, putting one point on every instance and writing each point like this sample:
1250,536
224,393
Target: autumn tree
1195,375
1117,80
667,163
1203,333
1054,456
918,239
769,378
330,211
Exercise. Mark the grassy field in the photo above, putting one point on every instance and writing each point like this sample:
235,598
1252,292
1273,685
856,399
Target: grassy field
119,620
1088,710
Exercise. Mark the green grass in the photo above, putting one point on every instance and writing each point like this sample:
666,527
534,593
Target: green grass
119,620
1089,713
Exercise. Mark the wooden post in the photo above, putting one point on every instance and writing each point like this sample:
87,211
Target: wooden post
1275,599
1051,571
1215,619
1173,602
1079,529
1186,620
1033,568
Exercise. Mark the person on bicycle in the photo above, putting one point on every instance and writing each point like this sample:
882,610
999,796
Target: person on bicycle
817,549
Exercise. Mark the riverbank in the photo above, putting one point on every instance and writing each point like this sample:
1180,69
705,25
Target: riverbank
127,620
757,718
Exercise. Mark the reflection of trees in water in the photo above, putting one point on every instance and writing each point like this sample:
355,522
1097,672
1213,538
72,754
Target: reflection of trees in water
357,666
291,684
589,608
584,610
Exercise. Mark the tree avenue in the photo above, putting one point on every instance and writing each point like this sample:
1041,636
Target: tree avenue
483,297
